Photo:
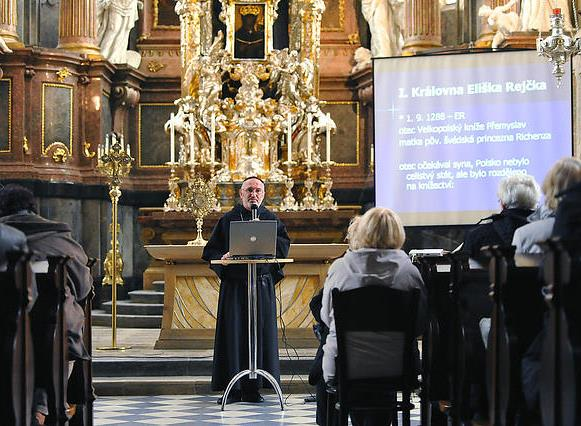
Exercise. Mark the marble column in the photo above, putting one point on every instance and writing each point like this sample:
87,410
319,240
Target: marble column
8,21
78,26
422,28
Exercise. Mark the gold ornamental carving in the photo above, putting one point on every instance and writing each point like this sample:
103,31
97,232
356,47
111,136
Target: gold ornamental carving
62,74
247,108
155,66
25,146
87,153
60,152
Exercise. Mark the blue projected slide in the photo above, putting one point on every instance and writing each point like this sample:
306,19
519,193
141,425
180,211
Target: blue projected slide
449,127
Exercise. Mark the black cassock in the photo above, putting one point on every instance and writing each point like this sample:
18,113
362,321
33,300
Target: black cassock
231,343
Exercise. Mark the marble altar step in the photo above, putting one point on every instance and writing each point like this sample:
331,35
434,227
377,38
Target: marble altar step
182,385
158,286
102,318
144,309
179,366
128,307
146,296
178,375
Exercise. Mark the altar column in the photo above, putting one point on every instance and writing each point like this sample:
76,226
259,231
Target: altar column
78,26
8,21
422,27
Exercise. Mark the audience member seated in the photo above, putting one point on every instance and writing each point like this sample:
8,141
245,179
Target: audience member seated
11,239
562,175
568,215
321,330
375,258
48,238
518,196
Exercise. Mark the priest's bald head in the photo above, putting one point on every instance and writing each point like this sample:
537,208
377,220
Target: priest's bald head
251,192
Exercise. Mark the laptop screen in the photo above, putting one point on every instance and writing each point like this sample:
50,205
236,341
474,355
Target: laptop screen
253,238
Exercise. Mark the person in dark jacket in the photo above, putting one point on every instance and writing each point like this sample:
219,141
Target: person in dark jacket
568,216
11,239
518,196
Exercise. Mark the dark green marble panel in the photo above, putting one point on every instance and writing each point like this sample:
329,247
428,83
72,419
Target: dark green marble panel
57,115
153,141
5,113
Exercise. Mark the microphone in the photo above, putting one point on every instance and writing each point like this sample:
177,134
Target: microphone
254,211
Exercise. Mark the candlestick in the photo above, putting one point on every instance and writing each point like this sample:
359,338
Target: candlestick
289,136
115,166
309,134
172,148
328,134
213,137
192,147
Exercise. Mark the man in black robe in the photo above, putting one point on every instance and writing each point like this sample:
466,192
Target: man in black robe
231,342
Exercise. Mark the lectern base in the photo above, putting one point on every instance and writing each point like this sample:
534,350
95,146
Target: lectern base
252,375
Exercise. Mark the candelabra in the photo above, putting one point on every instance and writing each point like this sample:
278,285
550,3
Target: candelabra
309,202
328,202
289,202
114,161
558,47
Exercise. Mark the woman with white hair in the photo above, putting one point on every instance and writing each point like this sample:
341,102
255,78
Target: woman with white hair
518,196
374,258
564,173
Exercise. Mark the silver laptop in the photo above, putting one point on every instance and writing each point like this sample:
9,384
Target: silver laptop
253,239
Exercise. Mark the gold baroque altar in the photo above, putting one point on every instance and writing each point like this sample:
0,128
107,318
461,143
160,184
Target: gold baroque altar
191,295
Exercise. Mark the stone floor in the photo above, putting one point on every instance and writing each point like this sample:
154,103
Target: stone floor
202,410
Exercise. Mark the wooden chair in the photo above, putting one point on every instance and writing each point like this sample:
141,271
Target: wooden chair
435,361
16,352
50,338
517,317
375,328
81,390
561,354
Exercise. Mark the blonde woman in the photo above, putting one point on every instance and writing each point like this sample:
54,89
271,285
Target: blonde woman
564,173
375,258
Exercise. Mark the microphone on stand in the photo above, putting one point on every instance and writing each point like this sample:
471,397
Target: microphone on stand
254,211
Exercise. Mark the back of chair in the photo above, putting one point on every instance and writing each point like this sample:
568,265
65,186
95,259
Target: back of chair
375,328
50,337
16,352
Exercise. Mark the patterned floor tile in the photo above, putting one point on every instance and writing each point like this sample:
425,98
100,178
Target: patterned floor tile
202,410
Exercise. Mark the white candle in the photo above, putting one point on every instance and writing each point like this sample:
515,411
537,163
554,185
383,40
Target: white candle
122,143
289,136
328,132
106,144
172,141
213,137
192,144
128,150
309,131
99,152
